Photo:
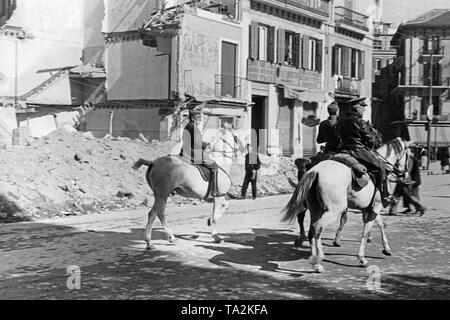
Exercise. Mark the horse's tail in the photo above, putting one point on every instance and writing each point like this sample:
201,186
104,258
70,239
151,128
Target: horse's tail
298,199
143,162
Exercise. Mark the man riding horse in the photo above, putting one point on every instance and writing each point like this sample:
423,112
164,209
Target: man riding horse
357,138
327,134
194,148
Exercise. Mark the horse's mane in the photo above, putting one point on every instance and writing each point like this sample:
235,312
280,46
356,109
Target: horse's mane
394,145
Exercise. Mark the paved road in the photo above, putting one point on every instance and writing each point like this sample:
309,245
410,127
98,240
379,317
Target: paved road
257,261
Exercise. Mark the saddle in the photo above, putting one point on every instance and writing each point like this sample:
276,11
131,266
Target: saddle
204,171
359,178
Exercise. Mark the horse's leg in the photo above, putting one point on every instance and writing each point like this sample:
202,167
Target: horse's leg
386,249
301,219
368,219
158,206
337,239
314,260
162,217
220,205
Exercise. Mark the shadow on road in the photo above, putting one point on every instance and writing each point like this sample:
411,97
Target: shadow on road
108,271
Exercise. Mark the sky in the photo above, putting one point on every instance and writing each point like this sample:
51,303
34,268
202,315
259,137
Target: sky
397,11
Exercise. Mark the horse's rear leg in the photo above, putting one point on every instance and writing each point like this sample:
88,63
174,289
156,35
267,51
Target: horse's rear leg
162,217
302,237
368,219
337,239
158,207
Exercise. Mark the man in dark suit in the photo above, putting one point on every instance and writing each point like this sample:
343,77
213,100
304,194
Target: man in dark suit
252,165
193,148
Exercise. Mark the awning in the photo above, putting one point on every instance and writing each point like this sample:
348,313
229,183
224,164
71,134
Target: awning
311,95
440,136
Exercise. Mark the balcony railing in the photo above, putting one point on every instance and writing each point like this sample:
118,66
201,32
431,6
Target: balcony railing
231,87
349,17
425,81
348,85
436,51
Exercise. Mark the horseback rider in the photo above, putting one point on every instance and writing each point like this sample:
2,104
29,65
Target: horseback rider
357,139
327,134
194,148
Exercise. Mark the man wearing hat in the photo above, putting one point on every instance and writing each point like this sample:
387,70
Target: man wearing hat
327,134
327,130
193,148
356,139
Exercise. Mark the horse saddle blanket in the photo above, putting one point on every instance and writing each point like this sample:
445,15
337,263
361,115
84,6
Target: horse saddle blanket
204,171
359,178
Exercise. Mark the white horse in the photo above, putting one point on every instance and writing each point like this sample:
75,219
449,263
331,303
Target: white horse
326,190
171,174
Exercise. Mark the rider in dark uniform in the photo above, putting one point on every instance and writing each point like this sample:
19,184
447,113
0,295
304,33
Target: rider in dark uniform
327,130
193,148
357,139
327,134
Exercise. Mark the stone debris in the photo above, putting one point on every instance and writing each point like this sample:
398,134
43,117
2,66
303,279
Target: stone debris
71,173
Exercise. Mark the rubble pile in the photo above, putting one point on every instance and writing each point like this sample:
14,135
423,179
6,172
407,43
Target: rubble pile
70,173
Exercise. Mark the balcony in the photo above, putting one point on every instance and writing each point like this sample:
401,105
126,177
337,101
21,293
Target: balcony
227,86
346,85
347,17
426,54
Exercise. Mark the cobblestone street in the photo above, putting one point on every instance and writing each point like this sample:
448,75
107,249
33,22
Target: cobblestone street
256,261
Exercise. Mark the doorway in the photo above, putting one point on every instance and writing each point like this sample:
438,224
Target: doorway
285,126
259,127
309,133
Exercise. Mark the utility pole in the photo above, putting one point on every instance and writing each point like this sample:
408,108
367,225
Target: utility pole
428,116
16,73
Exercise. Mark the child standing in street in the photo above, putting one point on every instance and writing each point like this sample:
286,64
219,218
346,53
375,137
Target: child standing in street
252,165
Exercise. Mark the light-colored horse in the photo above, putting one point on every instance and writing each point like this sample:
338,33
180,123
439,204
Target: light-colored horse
326,190
170,174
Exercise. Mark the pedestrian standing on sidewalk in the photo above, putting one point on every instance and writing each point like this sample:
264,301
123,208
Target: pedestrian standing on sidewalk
252,165
445,155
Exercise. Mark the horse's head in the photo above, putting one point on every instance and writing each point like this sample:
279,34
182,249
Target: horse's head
396,152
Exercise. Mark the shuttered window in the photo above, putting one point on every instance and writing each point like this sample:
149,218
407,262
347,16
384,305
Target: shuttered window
280,45
271,44
362,65
305,52
345,62
262,43
319,49
254,40
296,50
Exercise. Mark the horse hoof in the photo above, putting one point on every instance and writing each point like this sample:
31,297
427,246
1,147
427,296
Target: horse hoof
363,263
218,239
298,243
209,222
387,252
336,244
173,240
151,247
319,269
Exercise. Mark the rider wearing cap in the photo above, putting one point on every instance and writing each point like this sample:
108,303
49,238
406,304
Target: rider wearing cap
327,134
327,130
193,148
357,139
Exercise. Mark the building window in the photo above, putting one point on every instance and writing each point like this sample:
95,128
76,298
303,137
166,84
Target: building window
288,47
262,42
377,64
229,120
377,44
354,63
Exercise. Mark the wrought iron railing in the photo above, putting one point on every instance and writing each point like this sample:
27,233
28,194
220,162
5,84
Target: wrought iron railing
231,86
438,81
352,18
427,51
348,85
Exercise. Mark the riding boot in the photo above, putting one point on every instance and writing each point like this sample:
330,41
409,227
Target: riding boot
214,187
386,198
